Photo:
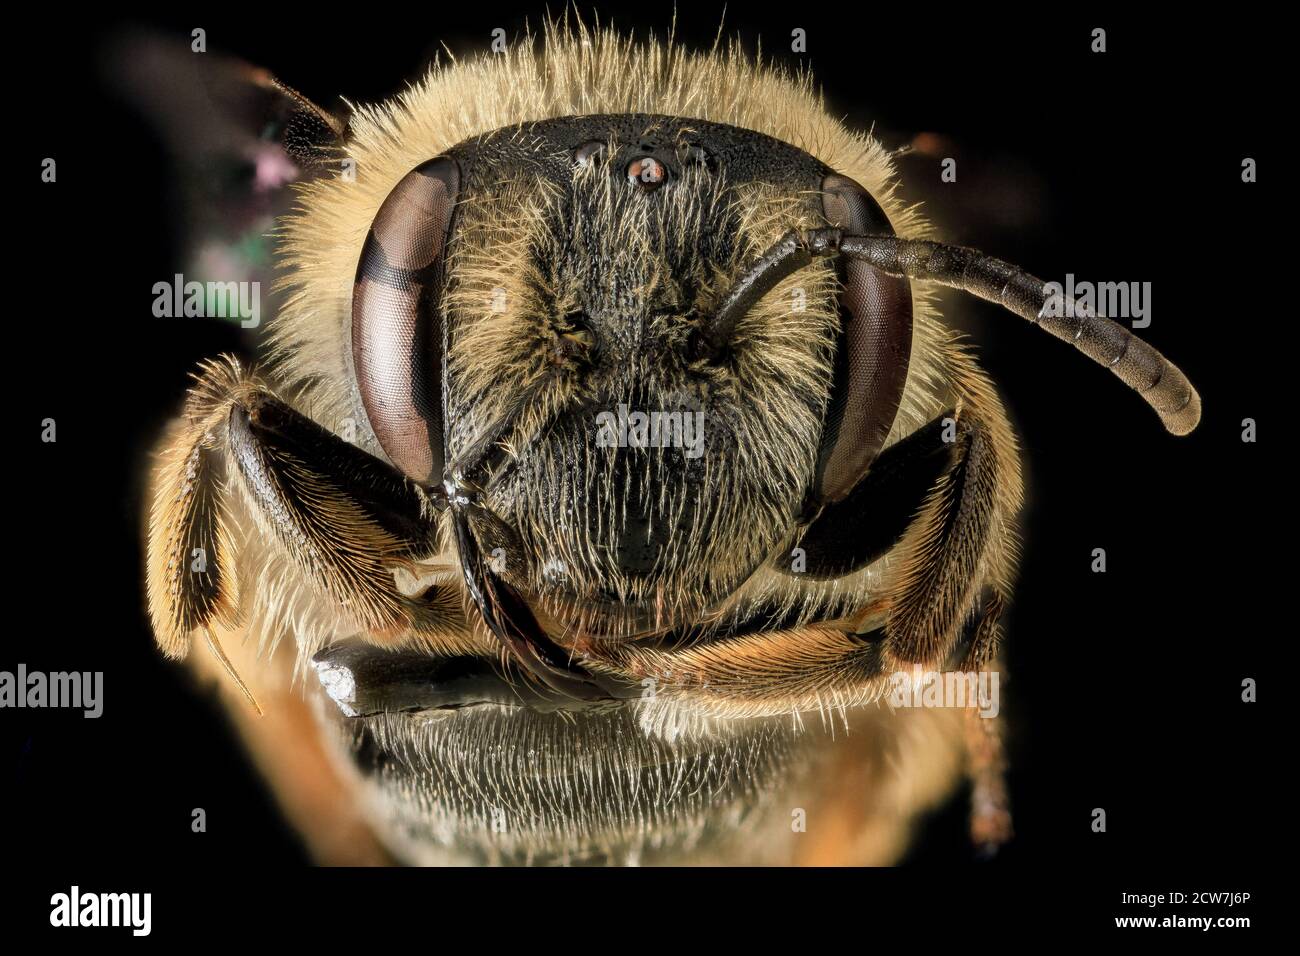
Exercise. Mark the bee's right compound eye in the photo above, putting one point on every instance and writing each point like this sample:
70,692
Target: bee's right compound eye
397,321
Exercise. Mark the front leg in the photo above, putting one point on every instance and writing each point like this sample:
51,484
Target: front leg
848,535
944,497
958,558
344,518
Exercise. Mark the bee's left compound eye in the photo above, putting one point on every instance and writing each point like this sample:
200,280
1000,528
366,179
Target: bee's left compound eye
875,348
397,326
647,172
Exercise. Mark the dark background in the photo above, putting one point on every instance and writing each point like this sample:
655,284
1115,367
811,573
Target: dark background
1125,688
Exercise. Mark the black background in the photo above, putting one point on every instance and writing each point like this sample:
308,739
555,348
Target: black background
1125,687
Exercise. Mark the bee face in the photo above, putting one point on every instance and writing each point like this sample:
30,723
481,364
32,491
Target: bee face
652,479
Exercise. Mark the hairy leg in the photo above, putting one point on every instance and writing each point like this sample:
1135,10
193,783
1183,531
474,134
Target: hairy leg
962,546
344,519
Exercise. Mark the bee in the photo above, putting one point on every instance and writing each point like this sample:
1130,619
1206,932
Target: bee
607,464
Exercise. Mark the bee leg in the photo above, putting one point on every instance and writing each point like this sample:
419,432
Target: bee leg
961,545
848,535
343,517
990,806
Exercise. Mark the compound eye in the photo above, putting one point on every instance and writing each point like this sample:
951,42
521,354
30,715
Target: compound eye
398,334
647,172
873,351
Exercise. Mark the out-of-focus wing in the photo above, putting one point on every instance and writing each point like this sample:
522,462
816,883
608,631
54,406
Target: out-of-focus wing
239,137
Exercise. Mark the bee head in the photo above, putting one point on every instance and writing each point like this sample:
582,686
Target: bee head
652,468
